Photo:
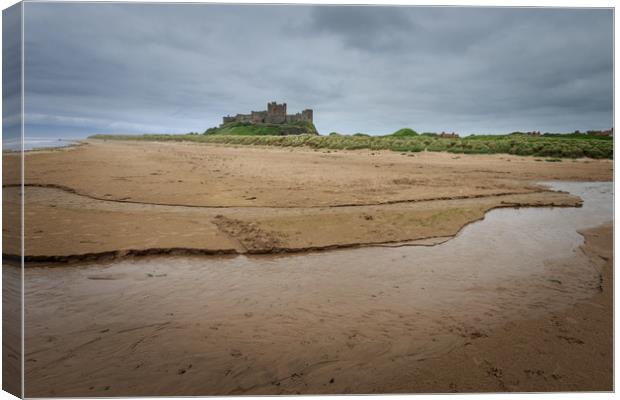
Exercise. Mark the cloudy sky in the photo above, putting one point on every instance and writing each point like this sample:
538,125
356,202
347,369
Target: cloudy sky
137,68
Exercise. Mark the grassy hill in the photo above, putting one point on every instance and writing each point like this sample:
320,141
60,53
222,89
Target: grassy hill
248,129
404,132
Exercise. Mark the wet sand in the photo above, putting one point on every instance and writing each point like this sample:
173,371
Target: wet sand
566,350
357,319
106,199
494,309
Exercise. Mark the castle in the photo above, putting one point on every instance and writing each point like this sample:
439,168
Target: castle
275,114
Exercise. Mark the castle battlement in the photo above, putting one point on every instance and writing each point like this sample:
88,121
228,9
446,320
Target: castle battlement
275,114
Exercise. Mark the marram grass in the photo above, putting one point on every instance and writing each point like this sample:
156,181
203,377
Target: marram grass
545,146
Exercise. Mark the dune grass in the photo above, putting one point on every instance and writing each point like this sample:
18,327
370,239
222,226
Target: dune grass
543,146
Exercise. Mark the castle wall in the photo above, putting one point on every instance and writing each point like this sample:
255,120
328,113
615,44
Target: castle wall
258,117
305,115
293,117
243,118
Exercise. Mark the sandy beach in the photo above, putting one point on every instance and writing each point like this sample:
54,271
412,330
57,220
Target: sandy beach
107,198
162,269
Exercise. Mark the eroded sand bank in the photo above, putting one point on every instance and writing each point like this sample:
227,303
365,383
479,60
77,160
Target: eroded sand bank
495,309
115,198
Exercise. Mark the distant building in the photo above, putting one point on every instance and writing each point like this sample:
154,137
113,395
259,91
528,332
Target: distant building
275,114
533,133
448,135
608,132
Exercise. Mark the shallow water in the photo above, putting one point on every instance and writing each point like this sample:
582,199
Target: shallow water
246,322
38,143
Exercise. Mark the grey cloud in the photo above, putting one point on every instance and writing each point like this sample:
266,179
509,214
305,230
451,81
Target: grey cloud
177,67
372,28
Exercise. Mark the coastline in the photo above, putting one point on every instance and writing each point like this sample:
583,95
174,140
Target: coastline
103,200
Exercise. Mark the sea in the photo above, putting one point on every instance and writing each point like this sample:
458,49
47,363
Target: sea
36,143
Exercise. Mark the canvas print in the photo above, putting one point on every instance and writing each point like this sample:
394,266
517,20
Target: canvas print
244,199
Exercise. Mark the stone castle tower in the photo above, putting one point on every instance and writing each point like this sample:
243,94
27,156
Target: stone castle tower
275,114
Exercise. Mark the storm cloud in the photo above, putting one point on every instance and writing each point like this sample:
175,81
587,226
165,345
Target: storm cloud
173,68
